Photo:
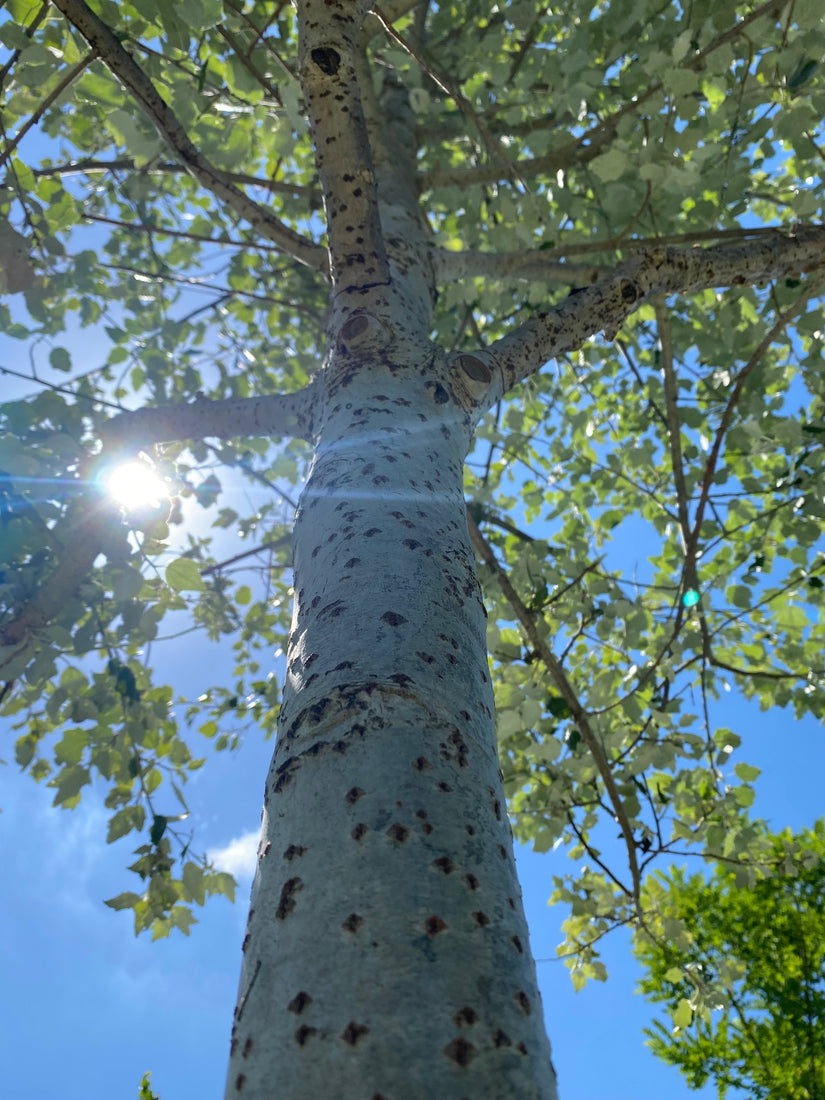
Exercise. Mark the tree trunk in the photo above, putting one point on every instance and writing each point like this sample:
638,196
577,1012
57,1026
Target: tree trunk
386,953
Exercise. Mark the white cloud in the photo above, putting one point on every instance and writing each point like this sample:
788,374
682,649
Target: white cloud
239,857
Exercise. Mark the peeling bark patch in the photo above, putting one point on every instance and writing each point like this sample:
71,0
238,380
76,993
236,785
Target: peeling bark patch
327,59
460,1051
398,832
444,864
352,923
294,851
421,764
392,618
304,1034
248,1045
472,881
501,1039
465,1015
240,1081
353,1032
523,1001
481,919
287,902
299,1002
359,830
434,925
516,942
353,794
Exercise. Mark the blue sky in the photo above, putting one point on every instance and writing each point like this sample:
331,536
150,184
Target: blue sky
87,1008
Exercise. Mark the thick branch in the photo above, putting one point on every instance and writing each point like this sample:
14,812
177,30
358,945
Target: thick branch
90,521
607,305
333,100
287,415
121,64
533,266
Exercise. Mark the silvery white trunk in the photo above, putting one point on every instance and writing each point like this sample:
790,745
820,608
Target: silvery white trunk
386,954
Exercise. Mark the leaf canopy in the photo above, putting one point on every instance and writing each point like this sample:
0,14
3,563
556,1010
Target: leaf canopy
609,489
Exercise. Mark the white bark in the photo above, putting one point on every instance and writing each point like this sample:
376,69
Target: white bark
386,954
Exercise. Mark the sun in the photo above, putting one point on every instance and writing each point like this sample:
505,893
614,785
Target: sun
136,485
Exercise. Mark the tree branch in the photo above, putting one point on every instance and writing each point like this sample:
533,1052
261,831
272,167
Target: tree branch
123,66
565,689
659,270
327,62
289,415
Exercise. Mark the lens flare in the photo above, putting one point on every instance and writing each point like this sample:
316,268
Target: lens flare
136,485
690,598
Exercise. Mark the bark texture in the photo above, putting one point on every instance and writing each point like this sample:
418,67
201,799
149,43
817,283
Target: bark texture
386,953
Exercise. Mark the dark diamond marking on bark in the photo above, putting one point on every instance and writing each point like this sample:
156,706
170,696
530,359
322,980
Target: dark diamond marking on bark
465,1015
472,881
398,832
240,1081
294,851
523,1001
444,864
392,618
521,1048
353,794
630,292
481,919
445,787
248,1045
353,1032
516,942
287,902
421,763
434,925
352,923
358,831
501,1039
299,1002
304,1034
326,59
460,1051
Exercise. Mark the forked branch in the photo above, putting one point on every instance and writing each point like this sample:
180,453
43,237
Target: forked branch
123,66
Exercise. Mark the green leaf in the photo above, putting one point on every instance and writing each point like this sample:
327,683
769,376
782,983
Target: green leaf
183,575
60,359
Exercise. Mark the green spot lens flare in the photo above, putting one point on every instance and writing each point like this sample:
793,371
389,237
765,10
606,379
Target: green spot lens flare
690,598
